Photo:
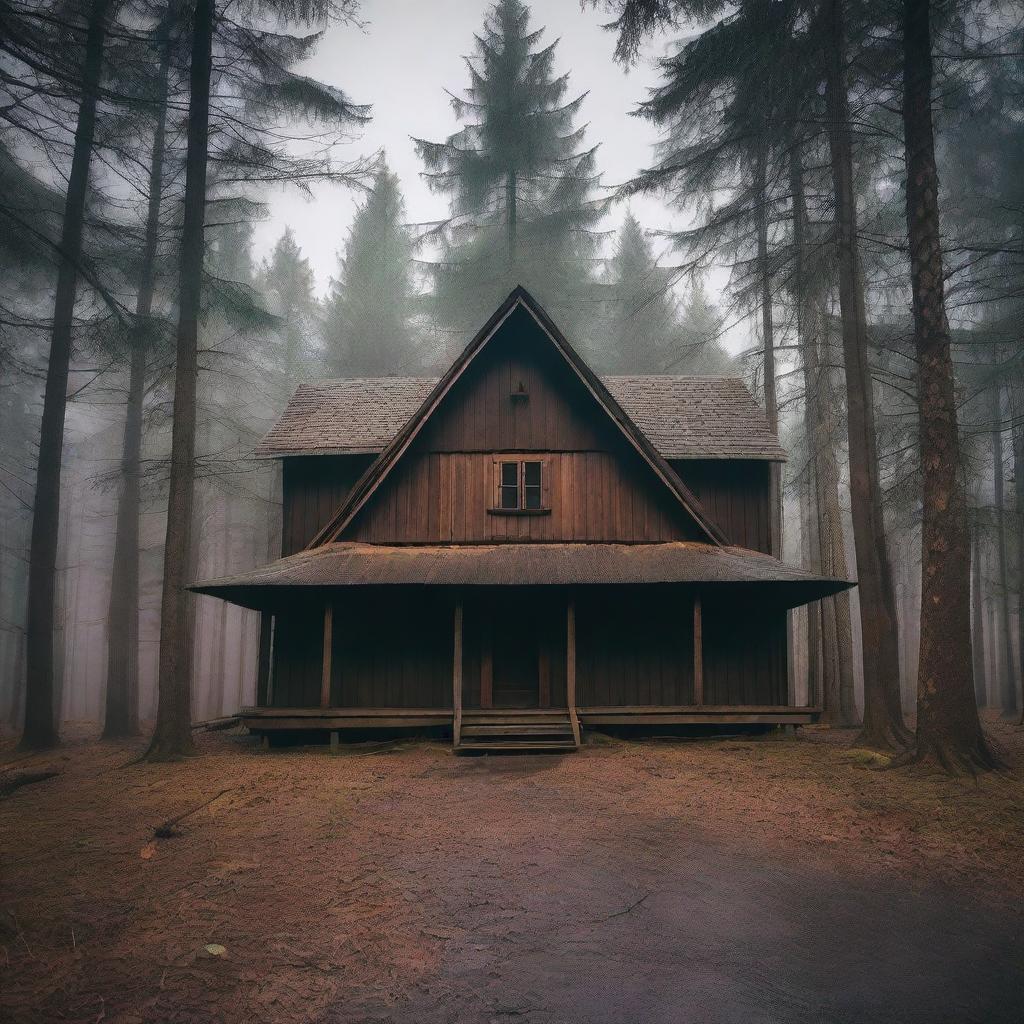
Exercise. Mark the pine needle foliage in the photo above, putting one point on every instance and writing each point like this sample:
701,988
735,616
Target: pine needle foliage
519,178
369,317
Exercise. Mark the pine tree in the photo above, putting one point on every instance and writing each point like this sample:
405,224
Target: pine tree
368,326
40,727
698,348
639,308
256,91
286,281
518,180
948,729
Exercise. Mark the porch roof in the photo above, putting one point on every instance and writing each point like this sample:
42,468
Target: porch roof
349,564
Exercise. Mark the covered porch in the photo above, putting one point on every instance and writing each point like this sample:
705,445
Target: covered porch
524,645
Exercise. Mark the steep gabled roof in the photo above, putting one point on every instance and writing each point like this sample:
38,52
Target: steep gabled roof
683,417
519,298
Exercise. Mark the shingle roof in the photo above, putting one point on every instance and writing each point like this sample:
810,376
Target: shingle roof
353,414
683,417
697,417
355,564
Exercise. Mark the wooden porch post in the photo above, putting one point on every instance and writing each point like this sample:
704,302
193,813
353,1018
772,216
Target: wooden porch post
486,659
457,678
570,667
698,653
325,678
264,692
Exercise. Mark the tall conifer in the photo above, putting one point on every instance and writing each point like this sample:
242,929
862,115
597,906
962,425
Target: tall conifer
368,316
519,180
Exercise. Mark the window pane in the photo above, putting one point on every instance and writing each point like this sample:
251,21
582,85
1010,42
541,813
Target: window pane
509,497
509,474
531,485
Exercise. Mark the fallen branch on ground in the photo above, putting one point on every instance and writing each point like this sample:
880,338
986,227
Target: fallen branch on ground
215,724
166,829
8,786
620,913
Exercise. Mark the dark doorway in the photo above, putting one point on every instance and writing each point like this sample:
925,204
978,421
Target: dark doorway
516,655
514,650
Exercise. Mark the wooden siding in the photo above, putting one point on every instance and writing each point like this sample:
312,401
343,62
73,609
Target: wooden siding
298,657
554,410
313,489
493,621
744,653
516,400
443,497
735,494
392,651
634,648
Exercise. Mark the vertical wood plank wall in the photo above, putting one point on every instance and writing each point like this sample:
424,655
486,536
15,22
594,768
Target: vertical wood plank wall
735,493
598,487
744,653
446,497
313,488
632,648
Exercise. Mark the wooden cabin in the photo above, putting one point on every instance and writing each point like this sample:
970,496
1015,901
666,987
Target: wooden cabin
521,549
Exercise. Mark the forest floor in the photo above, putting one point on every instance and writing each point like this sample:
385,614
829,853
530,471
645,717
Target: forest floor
749,880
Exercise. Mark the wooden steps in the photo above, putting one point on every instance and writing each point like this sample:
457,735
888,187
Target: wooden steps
500,731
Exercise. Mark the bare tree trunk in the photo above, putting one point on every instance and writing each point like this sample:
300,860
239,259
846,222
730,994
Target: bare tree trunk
40,726
172,737
1007,679
816,627
216,697
121,718
977,618
836,630
884,727
1017,406
948,728
771,401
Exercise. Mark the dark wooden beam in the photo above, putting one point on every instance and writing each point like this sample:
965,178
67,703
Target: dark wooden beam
325,677
457,677
698,653
264,692
570,667
486,660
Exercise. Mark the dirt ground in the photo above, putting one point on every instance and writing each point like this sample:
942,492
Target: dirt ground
748,880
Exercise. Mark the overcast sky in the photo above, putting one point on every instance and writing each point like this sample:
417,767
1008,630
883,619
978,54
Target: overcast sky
402,60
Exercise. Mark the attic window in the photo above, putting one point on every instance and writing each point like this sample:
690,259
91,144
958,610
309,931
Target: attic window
520,488
519,392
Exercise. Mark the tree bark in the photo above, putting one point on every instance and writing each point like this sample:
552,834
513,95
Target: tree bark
1006,680
837,690
948,728
173,735
884,727
817,628
1017,406
771,401
121,717
40,726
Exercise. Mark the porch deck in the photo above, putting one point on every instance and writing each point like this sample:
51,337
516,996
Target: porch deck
264,719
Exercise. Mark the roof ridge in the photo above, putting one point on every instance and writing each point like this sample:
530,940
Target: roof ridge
519,297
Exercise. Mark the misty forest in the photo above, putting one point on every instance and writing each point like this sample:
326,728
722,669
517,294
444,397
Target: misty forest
207,204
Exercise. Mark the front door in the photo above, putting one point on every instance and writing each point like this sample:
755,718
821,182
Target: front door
514,653
515,656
